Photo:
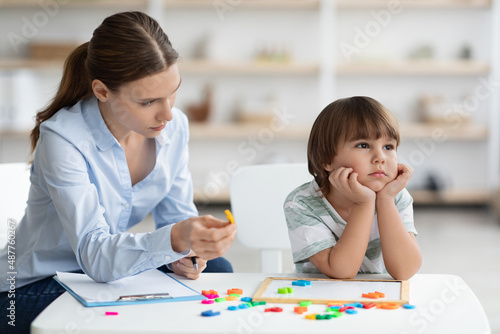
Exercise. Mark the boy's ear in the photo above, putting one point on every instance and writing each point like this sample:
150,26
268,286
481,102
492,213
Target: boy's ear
100,90
329,167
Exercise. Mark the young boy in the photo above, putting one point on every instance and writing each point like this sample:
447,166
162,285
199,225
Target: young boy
356,215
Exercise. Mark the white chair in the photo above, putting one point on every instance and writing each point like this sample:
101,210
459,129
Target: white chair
15,184
257,194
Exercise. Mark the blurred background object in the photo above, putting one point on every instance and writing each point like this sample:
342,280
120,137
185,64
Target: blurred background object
200,112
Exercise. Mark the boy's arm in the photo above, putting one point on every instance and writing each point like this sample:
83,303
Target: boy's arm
400,250
402,257
345,258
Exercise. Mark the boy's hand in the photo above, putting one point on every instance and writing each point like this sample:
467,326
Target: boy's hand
346,182
393,188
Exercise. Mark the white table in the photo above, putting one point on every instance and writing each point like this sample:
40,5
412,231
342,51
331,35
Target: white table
444,304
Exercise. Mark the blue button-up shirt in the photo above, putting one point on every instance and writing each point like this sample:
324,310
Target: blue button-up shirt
82,201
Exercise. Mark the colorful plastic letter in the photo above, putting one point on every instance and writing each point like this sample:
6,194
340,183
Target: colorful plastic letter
235,291
207,301
229,216
369,305
300,309
210,313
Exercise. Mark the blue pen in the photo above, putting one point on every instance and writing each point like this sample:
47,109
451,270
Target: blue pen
195,264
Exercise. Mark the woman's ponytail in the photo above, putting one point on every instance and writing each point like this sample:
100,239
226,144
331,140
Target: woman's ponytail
75,86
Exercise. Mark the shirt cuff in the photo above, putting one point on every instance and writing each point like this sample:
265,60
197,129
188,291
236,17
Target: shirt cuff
160,247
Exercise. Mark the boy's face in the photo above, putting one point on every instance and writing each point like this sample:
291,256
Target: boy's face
375,160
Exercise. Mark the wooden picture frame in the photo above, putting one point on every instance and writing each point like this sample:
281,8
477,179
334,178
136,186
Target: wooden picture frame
330,288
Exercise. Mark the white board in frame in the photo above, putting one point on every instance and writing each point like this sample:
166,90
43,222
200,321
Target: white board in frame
324,291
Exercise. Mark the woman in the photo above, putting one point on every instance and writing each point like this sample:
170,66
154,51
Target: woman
110,149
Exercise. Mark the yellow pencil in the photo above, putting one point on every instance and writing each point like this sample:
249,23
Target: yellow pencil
229,216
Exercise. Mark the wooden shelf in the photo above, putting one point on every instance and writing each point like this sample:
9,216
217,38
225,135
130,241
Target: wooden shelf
221,197
452,197
301,132
412,4
235,131
251,4
203,131
467,132
420,197
431,68
260,4
415,67
267,68
15,134
186,66
79,3
22,63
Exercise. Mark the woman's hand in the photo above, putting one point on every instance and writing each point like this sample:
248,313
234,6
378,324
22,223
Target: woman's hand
185,267
207,236
346,182
393,188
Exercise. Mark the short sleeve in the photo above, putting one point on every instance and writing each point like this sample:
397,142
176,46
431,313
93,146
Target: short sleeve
308,234
404,205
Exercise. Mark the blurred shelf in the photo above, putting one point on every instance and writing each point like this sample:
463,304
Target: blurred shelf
260,4
413,4
186,66
13,134
452,197
228,67
38,64
420,197
408,131
415,67
200,131
78,3
249,4
200,197
431,68
442,132
235,131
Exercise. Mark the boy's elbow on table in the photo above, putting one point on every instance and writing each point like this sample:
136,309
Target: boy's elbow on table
339,272
342,275
403,274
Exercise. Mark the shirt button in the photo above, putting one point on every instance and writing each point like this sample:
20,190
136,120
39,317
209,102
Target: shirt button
167,257
127,205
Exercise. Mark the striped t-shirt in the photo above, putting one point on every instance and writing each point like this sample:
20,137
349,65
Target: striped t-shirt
314,225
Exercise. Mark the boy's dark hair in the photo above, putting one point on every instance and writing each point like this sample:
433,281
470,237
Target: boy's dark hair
343,120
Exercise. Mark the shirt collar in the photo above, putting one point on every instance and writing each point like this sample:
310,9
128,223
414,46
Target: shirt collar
162,138
103,138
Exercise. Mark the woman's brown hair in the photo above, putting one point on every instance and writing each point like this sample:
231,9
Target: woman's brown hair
344,120
126,47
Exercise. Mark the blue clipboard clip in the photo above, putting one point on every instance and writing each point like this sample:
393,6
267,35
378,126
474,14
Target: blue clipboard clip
144,297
